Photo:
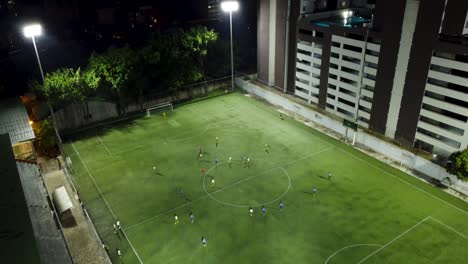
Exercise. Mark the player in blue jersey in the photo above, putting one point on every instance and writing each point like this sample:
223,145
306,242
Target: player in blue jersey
192,217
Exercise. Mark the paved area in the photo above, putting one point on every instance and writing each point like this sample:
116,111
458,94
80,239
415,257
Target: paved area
82,241
51,245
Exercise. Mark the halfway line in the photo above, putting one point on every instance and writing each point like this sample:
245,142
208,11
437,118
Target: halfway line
229,186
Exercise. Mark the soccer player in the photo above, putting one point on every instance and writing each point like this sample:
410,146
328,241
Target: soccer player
192,217
199,150
314,190
229,161
115,230
267,149
200,156
181,193
216,161
119,253
244,162
251,211
212,182
105,246
263,210
118,225
329,175
281,205
164,115
247,161
203,241
281,116
217,141
176,219
203,170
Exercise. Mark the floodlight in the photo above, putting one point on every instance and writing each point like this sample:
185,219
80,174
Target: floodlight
346,14
230,6
32,30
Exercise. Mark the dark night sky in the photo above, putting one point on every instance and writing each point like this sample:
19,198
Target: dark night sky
65,45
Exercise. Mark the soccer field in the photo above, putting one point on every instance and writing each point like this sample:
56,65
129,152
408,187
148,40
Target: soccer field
368,213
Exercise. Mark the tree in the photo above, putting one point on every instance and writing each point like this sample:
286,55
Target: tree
197,40
458,164
62,86
45,136
116,68
68,85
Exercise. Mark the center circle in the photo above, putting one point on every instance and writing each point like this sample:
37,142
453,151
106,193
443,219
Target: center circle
237,166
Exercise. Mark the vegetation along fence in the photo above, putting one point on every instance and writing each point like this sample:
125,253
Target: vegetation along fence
75,116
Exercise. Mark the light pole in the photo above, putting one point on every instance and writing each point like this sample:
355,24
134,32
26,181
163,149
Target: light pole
230,6
32,31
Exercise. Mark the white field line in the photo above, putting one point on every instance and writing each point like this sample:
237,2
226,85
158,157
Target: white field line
102,142
450,228
104,199
274,168
393,240
351,246
372,165
229,186
410,184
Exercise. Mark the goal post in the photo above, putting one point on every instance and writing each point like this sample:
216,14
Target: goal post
167,106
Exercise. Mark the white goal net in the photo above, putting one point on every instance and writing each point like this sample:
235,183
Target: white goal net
154,109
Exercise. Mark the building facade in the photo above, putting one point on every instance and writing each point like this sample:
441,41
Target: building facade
398,68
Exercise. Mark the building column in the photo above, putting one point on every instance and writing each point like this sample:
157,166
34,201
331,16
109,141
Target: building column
272,44
424,40
409,25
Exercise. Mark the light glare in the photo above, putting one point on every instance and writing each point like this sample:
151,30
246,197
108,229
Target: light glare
229,6
32,30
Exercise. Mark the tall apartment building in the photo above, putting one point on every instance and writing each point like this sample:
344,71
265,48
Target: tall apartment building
398,68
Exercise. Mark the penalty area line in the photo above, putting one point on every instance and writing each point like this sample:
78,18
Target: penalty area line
395,239
105,201
450,228
104,144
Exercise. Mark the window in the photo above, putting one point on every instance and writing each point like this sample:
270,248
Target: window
350,59
348,81
346,102
352,48
349,70
308,53
305,31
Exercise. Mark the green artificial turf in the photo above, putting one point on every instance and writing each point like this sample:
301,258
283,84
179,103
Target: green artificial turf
369,211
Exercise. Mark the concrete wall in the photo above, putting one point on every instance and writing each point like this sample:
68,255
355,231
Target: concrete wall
73,116
384,148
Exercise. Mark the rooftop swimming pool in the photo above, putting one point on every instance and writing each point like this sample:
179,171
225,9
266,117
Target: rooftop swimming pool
350,22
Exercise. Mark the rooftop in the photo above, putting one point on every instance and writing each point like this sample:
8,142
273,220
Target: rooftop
14,120
17,244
